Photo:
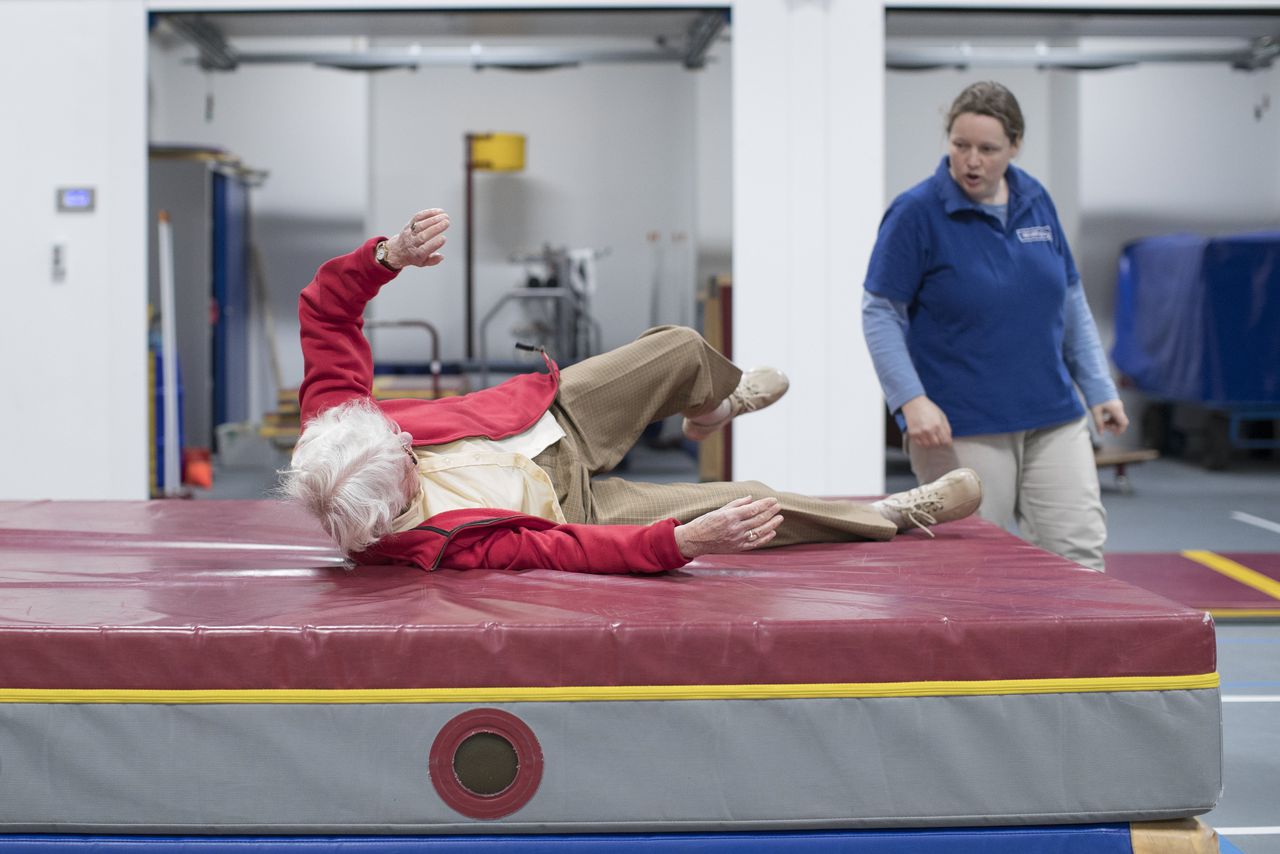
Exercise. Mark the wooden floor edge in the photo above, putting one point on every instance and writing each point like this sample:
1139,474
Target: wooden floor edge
1175,836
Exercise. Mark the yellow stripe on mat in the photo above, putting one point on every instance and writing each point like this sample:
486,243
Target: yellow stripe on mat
1236,572
619,693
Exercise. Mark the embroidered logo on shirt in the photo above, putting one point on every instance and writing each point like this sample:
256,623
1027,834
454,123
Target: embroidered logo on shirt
1035,234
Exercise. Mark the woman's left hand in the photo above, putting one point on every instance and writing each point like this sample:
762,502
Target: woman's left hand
1109,417
739,526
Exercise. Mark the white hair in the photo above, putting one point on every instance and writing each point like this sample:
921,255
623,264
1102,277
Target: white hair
350,470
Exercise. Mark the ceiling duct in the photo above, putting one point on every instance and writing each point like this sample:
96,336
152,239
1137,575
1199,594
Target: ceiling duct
1259,54
215,53
470,40
475,56
702,34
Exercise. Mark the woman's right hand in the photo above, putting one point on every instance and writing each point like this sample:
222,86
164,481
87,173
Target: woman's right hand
927,425
419,243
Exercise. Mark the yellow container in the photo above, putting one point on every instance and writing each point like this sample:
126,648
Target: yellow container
497,152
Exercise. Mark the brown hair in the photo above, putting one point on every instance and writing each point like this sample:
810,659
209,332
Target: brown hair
989,98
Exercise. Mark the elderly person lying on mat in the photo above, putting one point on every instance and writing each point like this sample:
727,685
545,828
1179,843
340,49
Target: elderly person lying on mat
502,477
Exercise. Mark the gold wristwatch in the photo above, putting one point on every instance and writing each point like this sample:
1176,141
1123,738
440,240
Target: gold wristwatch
380,255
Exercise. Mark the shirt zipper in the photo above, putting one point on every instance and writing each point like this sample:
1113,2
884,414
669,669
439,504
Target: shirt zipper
449,535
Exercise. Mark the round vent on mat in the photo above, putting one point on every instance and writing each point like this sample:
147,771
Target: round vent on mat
486,763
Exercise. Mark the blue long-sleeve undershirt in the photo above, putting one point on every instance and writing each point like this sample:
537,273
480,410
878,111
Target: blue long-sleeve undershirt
884,322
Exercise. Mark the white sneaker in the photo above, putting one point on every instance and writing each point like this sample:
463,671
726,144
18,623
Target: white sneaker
758,388
953,496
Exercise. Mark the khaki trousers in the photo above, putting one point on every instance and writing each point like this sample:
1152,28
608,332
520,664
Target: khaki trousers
605,403
1043,480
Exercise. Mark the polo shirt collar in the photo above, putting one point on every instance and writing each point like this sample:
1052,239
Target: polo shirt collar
954,199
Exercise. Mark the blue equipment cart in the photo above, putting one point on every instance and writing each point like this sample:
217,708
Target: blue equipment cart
1198,322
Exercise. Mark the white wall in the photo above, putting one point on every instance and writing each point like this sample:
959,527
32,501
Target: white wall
713,130
808,112
1181,138
73,355
306,127
609,159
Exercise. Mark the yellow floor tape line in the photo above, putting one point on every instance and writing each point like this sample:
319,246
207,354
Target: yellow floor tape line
1244,613
1236,572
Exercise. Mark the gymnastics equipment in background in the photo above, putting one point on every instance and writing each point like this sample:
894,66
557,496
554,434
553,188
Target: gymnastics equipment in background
485,152
1196,324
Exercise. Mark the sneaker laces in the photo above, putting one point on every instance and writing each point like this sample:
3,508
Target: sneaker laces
746,396
917,506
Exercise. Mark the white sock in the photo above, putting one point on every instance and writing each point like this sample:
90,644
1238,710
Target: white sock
716,415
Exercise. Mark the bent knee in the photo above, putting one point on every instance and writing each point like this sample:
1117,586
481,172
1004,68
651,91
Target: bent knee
678,336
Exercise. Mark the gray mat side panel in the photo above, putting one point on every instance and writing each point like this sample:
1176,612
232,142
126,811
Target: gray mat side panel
627,766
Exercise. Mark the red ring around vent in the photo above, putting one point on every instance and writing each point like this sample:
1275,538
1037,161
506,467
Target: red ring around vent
506,726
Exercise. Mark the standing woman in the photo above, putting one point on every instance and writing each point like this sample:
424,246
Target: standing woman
980,333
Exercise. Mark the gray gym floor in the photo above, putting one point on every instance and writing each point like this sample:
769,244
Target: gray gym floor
1171,506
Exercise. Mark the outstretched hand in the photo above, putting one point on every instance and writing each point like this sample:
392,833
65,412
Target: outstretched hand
419,243
739,526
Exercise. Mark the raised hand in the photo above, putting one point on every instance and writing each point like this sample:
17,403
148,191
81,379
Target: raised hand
419,243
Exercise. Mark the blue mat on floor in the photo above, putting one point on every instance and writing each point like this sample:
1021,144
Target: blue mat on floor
1225,847
1065,839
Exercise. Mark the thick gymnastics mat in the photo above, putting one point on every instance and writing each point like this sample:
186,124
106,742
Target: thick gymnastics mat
214,668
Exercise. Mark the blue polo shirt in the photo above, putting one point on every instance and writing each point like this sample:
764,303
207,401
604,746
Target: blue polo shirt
984,302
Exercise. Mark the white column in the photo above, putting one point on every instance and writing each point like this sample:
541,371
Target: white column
808,107
73,353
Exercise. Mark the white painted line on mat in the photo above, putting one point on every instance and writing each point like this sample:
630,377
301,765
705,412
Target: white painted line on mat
1256,521
1251,698
232,546
1248,831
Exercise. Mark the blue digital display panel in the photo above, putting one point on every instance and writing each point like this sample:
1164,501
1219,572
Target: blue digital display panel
75,199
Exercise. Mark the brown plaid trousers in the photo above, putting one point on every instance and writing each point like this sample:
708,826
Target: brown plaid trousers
604,404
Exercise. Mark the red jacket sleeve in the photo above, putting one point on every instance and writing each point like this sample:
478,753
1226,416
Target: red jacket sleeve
337,361
601,549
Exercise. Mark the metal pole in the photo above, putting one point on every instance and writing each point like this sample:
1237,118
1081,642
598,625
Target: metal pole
169,360
470,303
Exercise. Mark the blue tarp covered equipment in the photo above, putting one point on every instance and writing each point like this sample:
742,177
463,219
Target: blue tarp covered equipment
1198,318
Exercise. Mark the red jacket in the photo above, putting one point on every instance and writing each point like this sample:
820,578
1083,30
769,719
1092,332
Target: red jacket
338,366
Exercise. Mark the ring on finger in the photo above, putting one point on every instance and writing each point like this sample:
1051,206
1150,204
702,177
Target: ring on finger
752,535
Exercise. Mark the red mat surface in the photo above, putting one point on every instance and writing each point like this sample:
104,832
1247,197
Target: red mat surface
1193,584
250,594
